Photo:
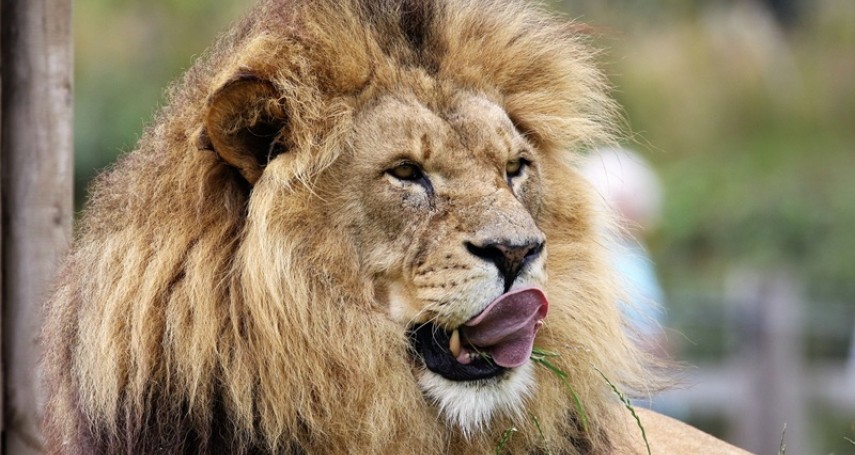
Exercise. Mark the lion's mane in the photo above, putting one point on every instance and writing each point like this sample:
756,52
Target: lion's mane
195,315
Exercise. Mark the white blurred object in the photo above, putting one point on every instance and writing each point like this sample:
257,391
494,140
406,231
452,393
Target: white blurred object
627,185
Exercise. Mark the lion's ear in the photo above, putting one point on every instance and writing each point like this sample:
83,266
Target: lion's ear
245,124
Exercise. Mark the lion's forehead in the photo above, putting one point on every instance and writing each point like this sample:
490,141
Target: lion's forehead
469,129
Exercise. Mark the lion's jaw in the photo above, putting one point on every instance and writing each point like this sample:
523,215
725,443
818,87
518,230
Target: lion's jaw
446,242
471,405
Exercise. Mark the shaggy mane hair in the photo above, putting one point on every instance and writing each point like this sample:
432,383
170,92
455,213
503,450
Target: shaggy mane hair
196,316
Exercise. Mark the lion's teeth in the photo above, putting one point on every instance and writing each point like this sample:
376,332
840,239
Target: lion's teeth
454,343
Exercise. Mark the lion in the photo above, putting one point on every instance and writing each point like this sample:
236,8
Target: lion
353,228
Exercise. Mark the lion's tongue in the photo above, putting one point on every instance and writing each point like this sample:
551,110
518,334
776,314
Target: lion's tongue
507,326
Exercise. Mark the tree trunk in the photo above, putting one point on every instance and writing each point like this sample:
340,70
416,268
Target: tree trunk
36,183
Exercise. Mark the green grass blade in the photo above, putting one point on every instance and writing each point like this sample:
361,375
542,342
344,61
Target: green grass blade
540,357
506,436
629,406
542,353
540,432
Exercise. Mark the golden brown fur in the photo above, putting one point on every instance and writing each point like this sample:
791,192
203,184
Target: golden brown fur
223,302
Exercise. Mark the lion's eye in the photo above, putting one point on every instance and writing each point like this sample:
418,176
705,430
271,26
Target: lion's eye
515,167
406,171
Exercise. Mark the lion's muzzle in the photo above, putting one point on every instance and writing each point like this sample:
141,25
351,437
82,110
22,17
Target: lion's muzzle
499,338
509,258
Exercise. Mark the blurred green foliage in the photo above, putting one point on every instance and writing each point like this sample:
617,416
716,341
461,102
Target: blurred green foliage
752,126
126,54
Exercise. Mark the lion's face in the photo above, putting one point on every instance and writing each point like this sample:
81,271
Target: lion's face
442,203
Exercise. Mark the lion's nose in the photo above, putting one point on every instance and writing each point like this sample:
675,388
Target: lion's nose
509,258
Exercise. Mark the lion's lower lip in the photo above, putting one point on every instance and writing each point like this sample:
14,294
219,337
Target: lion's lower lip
431,345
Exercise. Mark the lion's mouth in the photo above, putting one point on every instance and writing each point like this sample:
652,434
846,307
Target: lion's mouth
499,338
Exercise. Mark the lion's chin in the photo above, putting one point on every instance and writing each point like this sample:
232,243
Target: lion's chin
471,405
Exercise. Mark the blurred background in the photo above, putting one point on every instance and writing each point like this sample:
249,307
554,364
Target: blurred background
744,110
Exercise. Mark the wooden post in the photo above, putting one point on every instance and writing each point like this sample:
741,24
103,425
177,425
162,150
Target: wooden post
2,382
36,184
770,306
